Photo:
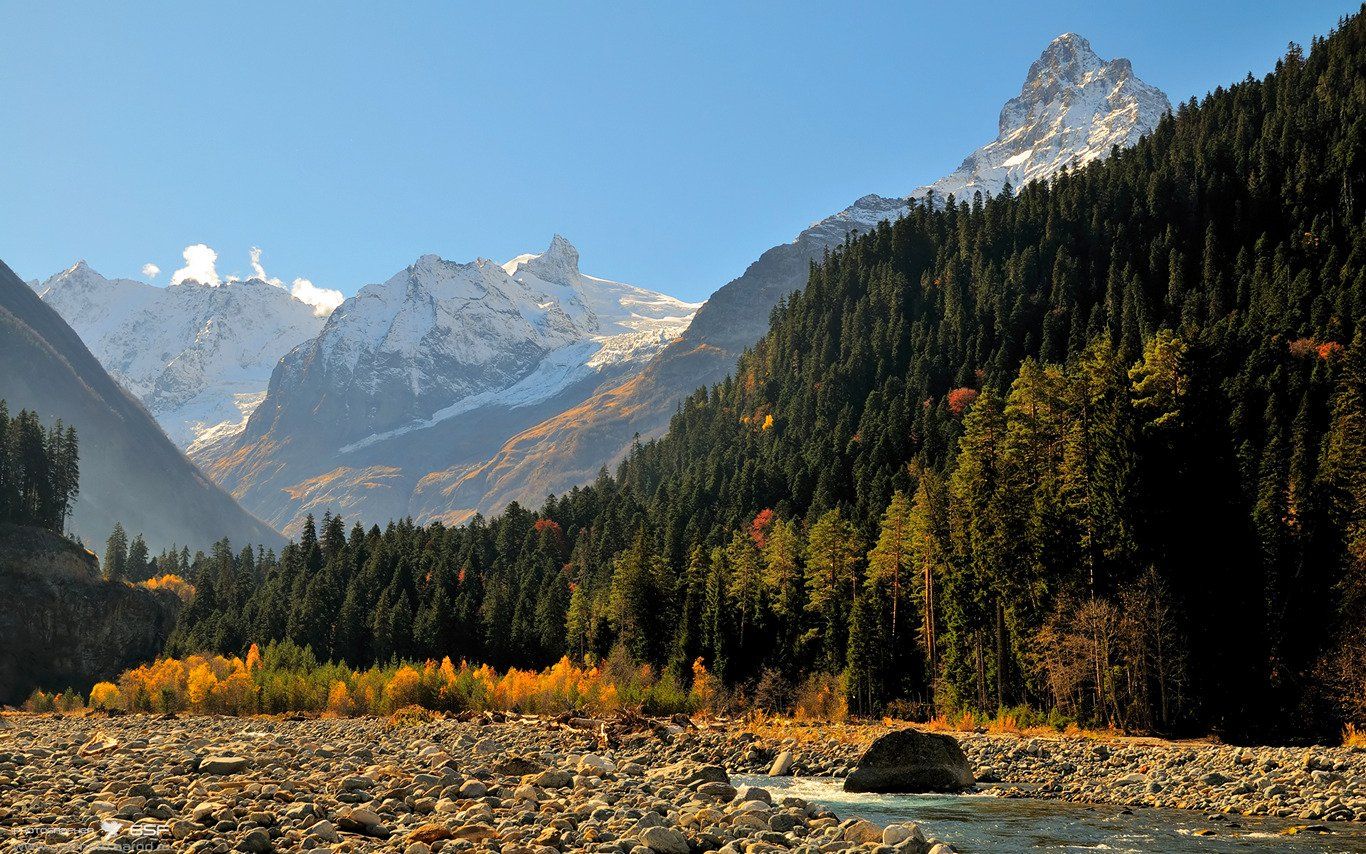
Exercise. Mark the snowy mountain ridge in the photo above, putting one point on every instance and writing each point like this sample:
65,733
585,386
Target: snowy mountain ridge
459,336
439,364
198,356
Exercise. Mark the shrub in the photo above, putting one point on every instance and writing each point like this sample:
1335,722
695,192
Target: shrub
823,697
404,689
1353,737
183,589
39,701
411,716
774,693
68,701
339,702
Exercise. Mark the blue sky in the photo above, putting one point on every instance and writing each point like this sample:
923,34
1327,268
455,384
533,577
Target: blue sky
672,143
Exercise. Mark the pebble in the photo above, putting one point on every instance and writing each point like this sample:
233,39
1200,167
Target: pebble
223,764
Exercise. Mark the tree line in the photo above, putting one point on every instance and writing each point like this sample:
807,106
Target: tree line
1095,448
39,470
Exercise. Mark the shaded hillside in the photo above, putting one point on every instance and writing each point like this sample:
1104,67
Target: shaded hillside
130,471
63,625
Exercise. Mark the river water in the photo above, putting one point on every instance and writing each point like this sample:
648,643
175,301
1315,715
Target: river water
985,823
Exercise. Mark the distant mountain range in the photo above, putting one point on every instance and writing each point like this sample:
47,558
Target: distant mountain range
437,366
130,470
455,388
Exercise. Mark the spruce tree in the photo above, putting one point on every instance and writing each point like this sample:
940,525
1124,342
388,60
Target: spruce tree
116,554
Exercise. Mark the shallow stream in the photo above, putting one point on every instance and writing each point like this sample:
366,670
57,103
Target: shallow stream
985,823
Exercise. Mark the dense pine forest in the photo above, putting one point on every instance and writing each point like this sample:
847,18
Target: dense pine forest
1097,448
39,470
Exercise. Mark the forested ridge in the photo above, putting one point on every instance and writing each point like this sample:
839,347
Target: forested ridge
1097,448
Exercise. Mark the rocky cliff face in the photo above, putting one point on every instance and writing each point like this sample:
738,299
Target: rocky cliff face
1073,108
62,624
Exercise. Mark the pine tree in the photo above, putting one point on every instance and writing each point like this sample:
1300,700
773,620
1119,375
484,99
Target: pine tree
634,577
866,655
783,577
690,631
747,589
832,584
716,617
890,563
116,555
930,553
137,566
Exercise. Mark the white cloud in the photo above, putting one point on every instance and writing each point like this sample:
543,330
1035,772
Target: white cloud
200,263
199,266
261,271
151,270
323,300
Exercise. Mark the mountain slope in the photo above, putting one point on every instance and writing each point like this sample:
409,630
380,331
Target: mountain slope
434,367
198,356
130,470
1072,109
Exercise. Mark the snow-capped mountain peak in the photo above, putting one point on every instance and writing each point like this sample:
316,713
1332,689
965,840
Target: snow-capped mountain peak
559,263
198,356
1074,107
1067,59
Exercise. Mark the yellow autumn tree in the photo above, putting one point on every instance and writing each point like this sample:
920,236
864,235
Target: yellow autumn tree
339,702
404,689
200,688
105,695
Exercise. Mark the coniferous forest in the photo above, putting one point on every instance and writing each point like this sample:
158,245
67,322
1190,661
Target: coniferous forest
39,470
1097,448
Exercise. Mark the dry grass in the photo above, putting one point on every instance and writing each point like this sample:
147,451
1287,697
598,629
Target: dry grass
1016,723
1353,737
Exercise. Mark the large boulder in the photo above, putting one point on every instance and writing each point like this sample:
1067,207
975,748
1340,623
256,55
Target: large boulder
911,761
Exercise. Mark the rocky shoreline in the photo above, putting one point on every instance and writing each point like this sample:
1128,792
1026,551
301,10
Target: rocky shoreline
1308,783
528,785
